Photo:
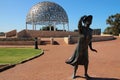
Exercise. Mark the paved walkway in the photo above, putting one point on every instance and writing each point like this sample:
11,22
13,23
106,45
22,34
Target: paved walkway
104,65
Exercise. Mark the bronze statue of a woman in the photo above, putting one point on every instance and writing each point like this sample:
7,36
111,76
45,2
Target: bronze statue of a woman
80,56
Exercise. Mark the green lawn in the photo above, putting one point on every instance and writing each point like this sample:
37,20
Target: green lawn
16,55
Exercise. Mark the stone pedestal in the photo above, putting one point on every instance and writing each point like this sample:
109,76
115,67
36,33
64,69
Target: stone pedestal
52,40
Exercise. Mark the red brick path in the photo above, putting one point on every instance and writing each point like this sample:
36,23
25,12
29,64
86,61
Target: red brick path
104,65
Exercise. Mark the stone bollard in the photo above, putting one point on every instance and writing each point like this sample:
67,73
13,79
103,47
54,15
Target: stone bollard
68,39
36,43
39,40
52,40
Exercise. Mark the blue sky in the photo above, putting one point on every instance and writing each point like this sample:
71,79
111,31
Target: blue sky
13,12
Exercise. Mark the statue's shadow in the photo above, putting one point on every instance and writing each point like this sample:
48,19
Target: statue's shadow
97,78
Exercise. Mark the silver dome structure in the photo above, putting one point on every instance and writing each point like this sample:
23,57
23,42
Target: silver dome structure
47,13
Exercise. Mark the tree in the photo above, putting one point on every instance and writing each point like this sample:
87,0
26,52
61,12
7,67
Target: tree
2,34
114,24
108,30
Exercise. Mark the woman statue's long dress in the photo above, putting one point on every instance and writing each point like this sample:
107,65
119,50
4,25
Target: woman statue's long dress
80,55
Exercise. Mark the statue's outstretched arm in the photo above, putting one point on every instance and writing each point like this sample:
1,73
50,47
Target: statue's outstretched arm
90,46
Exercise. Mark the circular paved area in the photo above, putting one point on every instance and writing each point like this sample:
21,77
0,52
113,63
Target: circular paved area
104,65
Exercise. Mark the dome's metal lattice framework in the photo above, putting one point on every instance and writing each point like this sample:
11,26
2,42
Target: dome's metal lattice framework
47,13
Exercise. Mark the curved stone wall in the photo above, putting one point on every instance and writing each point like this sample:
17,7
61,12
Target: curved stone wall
95,39
60,41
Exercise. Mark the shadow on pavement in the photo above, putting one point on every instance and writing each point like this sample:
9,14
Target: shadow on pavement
97,78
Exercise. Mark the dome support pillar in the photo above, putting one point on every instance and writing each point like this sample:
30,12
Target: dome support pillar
63,27
50,28
68,26
26,26
54,27
35,26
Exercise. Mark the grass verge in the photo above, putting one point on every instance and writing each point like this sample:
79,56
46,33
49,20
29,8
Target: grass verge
17,55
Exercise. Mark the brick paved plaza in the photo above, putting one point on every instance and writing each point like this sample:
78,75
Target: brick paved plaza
104,65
